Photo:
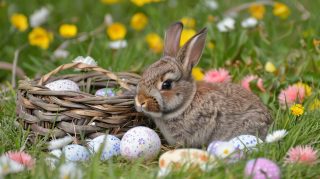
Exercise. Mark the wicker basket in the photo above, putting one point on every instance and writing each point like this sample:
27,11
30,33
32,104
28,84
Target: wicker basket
58,113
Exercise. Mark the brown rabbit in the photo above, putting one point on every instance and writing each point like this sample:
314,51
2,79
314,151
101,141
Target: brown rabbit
193,113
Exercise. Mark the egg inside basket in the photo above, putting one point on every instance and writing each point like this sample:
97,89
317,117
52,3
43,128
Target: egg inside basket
55,113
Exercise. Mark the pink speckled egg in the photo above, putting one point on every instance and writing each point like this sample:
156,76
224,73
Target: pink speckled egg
140,142
262,168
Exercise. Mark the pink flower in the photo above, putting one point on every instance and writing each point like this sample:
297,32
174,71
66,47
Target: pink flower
292,94
248,79
22,158
217,76
302,154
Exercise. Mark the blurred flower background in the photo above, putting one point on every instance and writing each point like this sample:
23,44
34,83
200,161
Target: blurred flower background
269,47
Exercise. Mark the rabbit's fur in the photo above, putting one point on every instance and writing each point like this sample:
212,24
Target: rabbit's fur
190,113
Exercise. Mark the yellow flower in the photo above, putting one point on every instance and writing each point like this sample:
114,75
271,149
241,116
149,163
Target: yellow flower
68,30
211,18
19,21
116,31
210,45
316,43
257,11
155,42
140,2
188,22
315,105
40,37
197,74
186,35
143,2
139,21
110,1
281,10
307,88
297,109
269,67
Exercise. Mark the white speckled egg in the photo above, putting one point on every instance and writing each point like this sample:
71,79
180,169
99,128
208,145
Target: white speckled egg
140,142
75,152
105,92
183,159
245,141
111,146
63,85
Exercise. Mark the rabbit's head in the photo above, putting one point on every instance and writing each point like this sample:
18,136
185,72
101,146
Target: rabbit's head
166,88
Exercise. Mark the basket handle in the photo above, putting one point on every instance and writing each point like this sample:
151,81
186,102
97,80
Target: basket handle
83,66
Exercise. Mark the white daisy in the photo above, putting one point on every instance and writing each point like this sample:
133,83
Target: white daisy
227,24
108,19
249,22
119,44
211,4
87,60
224,149
60,53
39,17
9,166
276,136
70,170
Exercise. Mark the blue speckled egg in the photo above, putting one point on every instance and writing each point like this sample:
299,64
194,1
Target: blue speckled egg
75,152
105,92
245,141
140,142
111,146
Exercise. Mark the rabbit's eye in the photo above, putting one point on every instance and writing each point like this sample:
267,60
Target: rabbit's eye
166,85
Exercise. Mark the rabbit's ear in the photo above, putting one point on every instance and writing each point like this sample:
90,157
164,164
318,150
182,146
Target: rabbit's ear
189,55
172,39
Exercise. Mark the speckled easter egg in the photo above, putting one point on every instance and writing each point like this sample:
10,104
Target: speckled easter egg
105,92
262,168
111,146
140,142
63,85
184,159
75,152
245,141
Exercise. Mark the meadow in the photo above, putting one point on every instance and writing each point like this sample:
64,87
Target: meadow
279,46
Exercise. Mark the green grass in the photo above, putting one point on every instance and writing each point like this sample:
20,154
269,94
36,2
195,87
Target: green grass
287,43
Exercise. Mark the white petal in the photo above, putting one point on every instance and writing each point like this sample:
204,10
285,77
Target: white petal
87,60
212,4
39,17
70,170
226,24
249,22
108,19
9,166
118,44
60,53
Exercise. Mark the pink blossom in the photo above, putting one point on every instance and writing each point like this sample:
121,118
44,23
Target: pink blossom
22,158
248,79
292,94
301,154
217,76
